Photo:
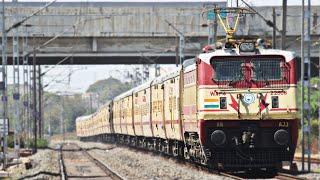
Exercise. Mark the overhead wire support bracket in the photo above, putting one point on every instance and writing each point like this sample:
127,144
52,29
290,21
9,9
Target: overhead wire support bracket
181,41
268,22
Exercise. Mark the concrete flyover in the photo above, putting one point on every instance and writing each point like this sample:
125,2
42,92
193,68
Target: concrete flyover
131,33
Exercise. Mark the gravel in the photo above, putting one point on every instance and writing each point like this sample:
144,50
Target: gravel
85,145
128,162
314,167
43,161
133,164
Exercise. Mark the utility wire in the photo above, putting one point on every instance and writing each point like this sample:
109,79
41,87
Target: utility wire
268,22
63,32
173,27
17,24
72,48
271,24
64,59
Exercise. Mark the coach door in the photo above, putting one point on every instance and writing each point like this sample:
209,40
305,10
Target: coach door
157,110
168,110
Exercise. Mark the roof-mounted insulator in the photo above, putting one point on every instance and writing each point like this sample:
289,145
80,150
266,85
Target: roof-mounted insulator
207,48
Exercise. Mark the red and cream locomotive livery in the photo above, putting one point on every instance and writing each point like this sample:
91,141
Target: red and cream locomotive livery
233,108
247,111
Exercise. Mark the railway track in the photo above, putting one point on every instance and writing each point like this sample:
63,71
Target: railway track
280,176
77,163
237,176
313,160
285,176
232,176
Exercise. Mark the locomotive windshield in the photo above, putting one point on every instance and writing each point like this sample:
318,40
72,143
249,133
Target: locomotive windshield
266,69
262,71
228,70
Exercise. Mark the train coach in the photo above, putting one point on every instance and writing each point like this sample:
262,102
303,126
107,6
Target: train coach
232,108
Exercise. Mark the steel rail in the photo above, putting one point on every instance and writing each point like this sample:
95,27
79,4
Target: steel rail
313,160
112,174
231,176
285,176
63,173
107,170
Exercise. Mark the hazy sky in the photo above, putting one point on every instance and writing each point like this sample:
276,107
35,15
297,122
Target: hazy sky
82,76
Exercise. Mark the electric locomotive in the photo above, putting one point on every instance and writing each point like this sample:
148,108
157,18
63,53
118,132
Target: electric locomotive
247,110
233,107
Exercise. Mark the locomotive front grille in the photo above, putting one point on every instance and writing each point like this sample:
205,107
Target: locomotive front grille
262,137
249,144
259,158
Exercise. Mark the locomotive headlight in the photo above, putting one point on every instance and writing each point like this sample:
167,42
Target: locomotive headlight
281,137
247,47
218,137
223,103
275,101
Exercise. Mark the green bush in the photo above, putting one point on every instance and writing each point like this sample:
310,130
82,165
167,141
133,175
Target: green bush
10,141
314,128
41,143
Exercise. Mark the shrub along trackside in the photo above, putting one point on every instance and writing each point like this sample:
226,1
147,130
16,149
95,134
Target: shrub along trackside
41,143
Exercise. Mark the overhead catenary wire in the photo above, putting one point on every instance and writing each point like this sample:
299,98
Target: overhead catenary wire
268,22
36,49
16,69
72,48
63,32
19,23
54,80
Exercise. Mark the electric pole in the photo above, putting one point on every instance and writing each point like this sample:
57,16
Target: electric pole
145,73
26,104
34,84
40,102
4,90
16,85
62,116
319,105
305,79
274,31
212,23
309,83
284,24
181,41
157,70
302,78
31,111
